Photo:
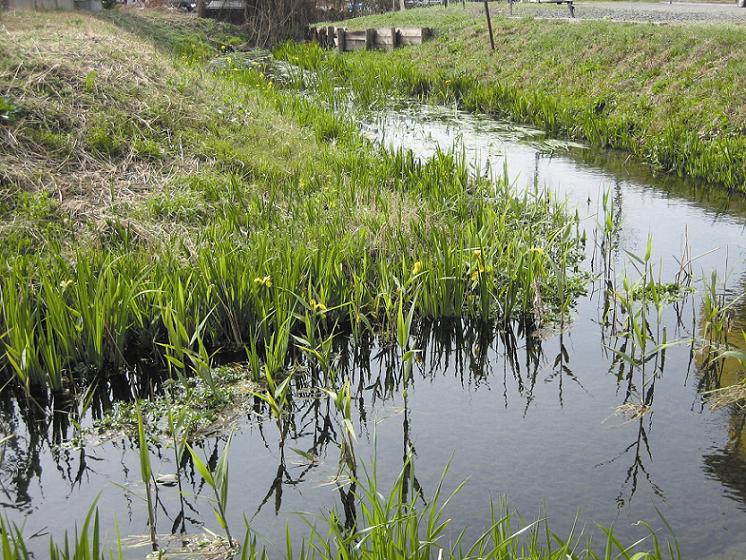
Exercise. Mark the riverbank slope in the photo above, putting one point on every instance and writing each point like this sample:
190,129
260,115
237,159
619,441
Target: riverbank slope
672,95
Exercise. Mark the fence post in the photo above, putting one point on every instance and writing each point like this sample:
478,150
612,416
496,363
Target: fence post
489,24
370,39
330,37
341,39
394,38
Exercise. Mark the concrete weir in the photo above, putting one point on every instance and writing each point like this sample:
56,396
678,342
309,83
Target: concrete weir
367,39
40,4
49,5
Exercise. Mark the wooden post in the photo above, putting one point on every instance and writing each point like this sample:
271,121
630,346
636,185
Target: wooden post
341,39
202,8
330,37
489,24
394,38
370,39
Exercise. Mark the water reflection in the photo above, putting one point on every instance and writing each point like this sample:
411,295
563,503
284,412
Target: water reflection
728,465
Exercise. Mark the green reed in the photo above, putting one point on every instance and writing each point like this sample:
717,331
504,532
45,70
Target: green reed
85,544
146,474
640,336
217,480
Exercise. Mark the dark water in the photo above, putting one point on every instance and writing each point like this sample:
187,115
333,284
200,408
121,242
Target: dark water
502,409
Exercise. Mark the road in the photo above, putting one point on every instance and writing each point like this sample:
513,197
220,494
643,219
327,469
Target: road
678,12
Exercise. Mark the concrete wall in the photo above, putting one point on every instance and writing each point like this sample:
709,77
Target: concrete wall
40,4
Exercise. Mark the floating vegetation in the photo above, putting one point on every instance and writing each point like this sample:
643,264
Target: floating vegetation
727,396
632,411
203,410
205,546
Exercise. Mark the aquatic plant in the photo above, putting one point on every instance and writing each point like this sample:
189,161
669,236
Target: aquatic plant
86,541
146,475
271,240
217,480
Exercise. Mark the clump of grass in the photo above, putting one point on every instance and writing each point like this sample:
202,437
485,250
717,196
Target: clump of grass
256,244
85,543
640,338
217,479
727,396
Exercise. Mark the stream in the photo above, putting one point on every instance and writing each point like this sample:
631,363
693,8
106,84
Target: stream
526,419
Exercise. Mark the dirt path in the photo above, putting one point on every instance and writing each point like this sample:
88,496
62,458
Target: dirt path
632,11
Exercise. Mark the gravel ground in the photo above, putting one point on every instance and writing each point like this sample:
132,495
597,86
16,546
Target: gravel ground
631,11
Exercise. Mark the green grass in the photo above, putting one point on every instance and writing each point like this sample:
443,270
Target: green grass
671,95
189,210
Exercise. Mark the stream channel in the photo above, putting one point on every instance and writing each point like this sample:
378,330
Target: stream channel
527,419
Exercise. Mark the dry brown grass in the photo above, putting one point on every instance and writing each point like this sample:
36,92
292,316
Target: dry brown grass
69,74
631,411
727,396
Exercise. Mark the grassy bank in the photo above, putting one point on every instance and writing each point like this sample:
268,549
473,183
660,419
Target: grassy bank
671,95
159,206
